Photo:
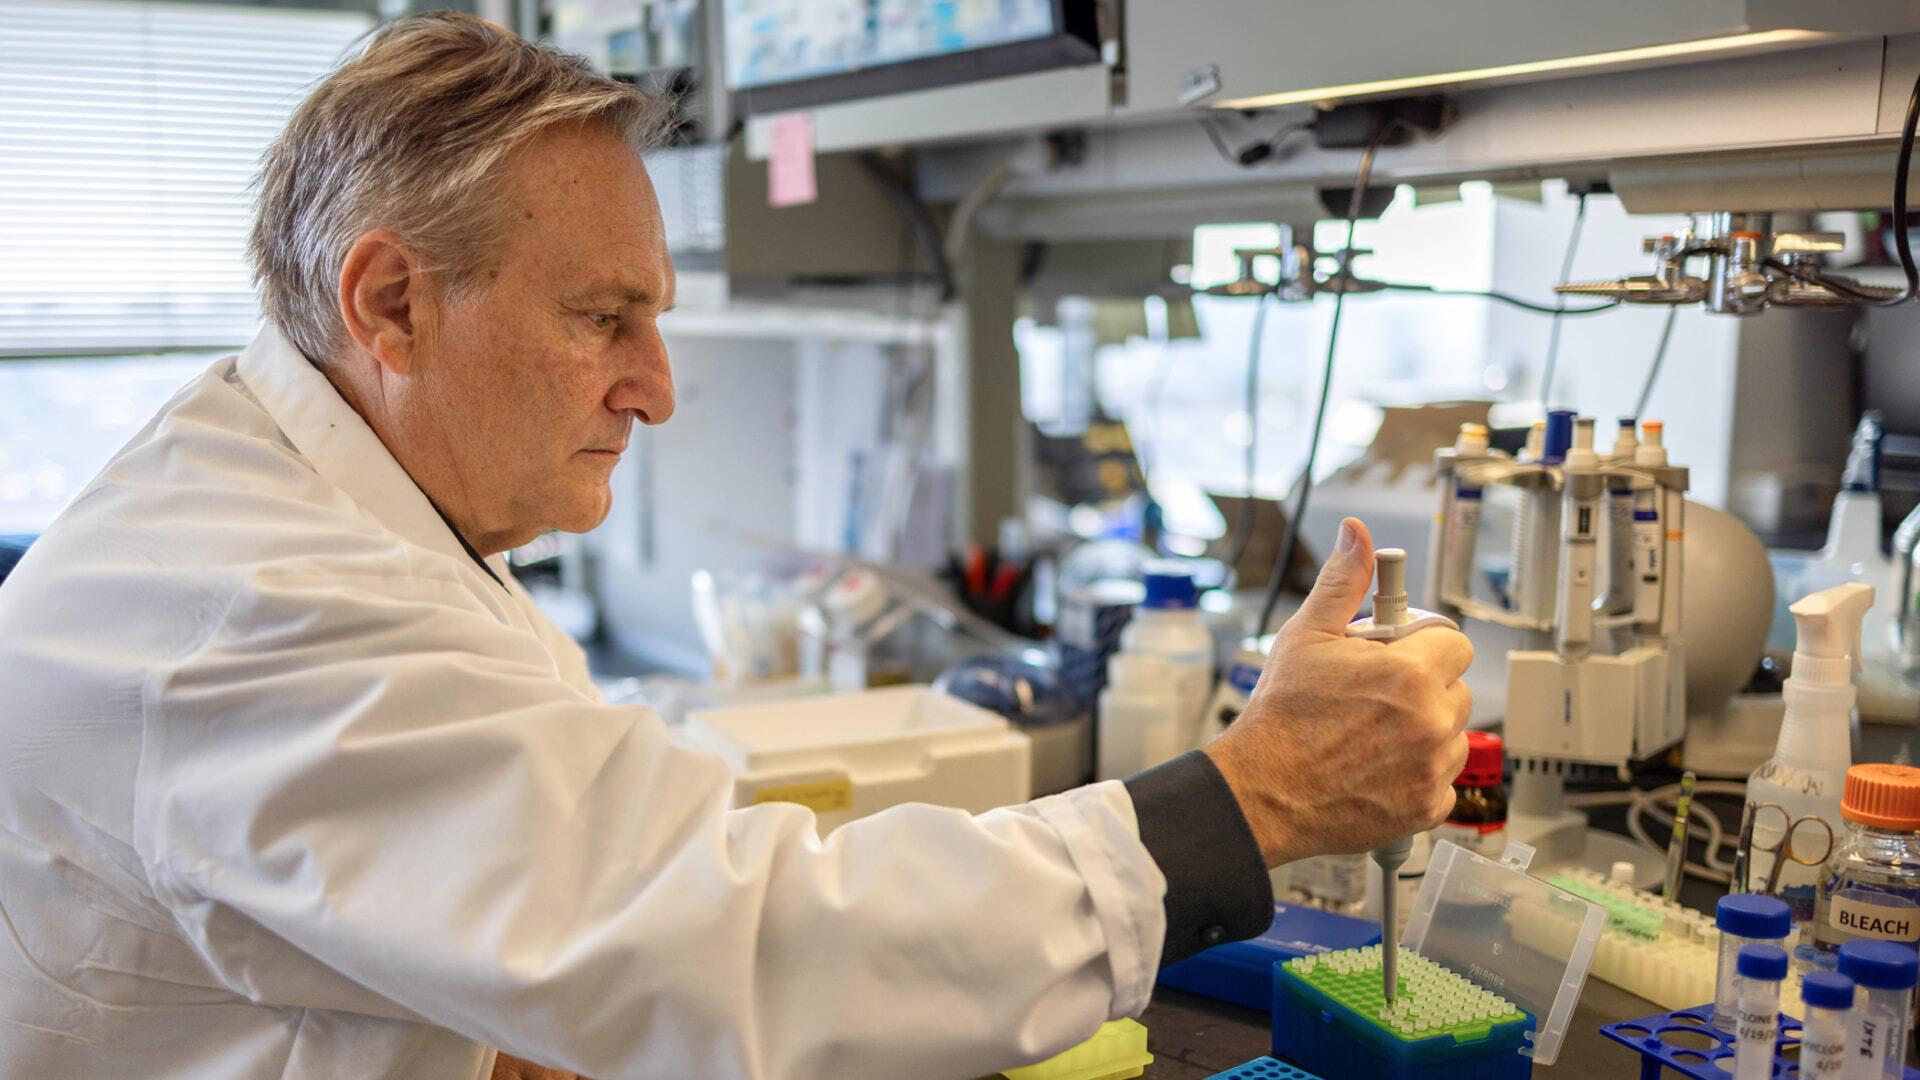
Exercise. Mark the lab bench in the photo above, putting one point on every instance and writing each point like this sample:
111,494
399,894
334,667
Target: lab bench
1193,1037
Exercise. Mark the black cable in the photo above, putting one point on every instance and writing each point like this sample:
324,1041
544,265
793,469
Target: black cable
1284,563
918,219
1254,152
1659,355
1504,298
1851,291
1242,532
1901,242
1566,272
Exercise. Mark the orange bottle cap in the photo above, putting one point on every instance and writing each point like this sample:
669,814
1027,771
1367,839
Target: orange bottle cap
1883,796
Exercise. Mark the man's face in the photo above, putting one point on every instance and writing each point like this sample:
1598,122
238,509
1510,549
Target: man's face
535,377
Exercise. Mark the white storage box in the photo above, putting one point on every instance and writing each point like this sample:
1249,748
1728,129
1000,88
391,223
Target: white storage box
848,755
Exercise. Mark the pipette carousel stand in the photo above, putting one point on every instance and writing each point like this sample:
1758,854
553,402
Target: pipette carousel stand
1601,681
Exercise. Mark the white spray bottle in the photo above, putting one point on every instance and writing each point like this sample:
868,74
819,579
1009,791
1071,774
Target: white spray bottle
1809,766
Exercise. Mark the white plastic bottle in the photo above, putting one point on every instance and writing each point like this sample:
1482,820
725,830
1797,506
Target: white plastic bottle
1853,532
1167,624
1808,770
1139,721
1852,551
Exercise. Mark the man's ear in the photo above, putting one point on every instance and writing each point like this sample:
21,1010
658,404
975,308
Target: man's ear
384,299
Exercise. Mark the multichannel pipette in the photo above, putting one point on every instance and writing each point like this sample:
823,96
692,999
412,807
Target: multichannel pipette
1392,619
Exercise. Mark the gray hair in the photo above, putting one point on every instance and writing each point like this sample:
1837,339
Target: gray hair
413,135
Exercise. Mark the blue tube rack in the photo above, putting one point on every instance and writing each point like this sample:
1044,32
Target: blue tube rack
1265,1068
1645,1036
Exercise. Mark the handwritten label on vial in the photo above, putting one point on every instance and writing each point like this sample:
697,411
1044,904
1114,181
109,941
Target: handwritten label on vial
1823,1057
1866,1035
1758,1026
1881,922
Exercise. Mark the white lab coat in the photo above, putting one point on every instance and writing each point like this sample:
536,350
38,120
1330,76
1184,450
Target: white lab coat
289,788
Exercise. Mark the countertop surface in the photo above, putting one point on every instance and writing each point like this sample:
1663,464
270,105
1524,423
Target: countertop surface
1192,1037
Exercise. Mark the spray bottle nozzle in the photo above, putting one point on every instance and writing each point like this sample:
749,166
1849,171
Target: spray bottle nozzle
1829,633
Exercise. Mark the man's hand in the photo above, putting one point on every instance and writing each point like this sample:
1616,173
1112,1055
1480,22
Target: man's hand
506,1067
1348,744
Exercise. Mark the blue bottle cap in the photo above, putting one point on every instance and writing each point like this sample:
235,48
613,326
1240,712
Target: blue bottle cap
1169,588
1765,962
1826,990
1750,915
1559,436
1880,965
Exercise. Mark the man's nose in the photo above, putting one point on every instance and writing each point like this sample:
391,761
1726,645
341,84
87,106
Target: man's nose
646,386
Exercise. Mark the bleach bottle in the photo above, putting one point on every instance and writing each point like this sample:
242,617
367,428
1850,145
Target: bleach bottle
1808,770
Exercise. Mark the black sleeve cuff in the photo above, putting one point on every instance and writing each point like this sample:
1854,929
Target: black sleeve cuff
1217,884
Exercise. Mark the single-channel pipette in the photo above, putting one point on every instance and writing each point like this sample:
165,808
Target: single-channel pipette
1392,619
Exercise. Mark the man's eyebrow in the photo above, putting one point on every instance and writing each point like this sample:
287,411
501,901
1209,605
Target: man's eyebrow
617,295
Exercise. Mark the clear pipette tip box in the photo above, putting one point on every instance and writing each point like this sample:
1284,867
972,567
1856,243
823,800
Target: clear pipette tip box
1492,966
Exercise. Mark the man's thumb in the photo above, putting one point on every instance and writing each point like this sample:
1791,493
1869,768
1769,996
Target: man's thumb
1342,585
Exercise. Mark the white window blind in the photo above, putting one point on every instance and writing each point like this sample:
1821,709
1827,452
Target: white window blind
129,135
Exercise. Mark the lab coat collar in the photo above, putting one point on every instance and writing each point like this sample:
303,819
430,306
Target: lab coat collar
343,448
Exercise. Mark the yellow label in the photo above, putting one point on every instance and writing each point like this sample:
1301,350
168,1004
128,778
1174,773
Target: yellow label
819,796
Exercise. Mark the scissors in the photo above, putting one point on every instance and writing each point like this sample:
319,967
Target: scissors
1783,852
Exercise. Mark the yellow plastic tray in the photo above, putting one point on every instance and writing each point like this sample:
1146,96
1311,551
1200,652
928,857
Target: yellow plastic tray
1117,1051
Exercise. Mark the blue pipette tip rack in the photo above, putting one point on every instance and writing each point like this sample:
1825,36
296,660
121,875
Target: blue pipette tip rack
1687,1042
1324,1028
1265,1068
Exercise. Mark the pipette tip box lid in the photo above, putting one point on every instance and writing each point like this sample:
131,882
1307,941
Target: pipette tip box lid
1487,923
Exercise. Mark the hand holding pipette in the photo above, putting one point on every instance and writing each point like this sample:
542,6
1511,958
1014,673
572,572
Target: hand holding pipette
1348,744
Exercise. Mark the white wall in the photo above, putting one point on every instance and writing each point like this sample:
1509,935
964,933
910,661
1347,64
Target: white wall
690,489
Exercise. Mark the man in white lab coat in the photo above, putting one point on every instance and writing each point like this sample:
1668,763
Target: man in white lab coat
296,783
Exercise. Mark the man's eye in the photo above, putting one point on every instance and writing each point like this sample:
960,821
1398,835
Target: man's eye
602,320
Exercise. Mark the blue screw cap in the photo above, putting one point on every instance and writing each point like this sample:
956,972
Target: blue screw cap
1559,436
1168,587
1827,990
1764,962
1880,965
1749,915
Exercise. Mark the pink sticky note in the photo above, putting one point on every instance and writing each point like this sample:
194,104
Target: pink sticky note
790,167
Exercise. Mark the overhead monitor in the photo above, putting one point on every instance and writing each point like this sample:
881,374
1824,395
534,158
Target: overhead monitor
792,54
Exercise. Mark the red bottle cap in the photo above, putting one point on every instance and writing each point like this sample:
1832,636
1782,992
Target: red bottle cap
1486,760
